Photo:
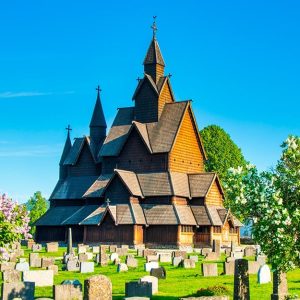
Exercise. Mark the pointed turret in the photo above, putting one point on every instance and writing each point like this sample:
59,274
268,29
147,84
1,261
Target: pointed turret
63,170
98,123
154,64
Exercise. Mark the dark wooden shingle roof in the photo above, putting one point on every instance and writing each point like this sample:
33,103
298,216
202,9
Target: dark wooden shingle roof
154,55
201,215
160,214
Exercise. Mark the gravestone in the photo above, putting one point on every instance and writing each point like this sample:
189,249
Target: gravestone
180,253
122,268
102,259
52,247
154,283
159,273
229,268
188,264
241,280
212,256
40,278
141,289
131,262
121,251
96,250
195,258
67,292
98,287
147,252
237,254
87,267
227,251
89,255
11,276
209,270
150,258
280,287
22,266
249,251
36,247
114,256
264,274
232,246
165,258
261,259
22,290
205,251
81,248
54,268
112,248
70,242
140,252
151,265
177,261
217,247
73,265
4,266
83,257
229,259
253,267
22,259
13,257
47,261
34,260
29,243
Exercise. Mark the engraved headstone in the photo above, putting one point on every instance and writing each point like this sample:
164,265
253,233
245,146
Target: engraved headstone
73,265
209,270
241,280
98,287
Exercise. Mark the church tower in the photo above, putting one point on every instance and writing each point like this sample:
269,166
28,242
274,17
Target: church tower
63,169
154,90
98,123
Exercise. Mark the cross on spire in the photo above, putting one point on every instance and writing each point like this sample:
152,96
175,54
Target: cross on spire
98,89
154,27
68,129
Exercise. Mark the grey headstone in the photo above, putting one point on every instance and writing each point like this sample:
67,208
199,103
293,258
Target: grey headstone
22,290
142,289
98,287
165,258
87,267
209,270
188,263
47,261
177,261
131,262
229,268
73,265
150,258
159,273
212,256
34,260
52,247
241,280
217,246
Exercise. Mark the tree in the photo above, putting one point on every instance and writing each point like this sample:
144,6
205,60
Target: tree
14,224
272,200
221,151
37,205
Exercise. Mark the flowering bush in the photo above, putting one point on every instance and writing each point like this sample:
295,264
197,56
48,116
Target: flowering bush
271,200
14,226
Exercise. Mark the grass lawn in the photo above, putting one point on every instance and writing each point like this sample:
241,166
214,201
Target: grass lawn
179,283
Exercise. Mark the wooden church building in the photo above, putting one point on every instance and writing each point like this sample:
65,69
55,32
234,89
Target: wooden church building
144,181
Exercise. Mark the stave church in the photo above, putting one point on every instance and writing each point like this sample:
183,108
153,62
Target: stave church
143,182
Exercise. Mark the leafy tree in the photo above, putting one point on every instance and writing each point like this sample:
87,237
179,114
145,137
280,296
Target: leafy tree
37,205
221,151
14,225
272,200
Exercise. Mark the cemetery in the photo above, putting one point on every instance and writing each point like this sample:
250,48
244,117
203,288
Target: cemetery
81,272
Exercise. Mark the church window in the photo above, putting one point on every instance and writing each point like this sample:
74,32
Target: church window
187,228
217,229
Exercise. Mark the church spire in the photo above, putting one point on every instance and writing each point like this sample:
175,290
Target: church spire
154,63
98,123
68,145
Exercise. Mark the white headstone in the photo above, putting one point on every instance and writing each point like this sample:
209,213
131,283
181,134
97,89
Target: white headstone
151,265
153,280
89,255
114,256
264,274
22,266
122,268
40,278
87,267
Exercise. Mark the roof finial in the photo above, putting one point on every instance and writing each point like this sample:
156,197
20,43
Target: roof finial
154,27
68,129
98,89
107,202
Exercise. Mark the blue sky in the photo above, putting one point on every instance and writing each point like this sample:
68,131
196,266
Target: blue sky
237,60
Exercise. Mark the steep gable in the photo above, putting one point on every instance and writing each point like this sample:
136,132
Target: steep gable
187,154
214,195
165,95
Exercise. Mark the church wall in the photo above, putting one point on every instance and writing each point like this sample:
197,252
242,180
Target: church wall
146,104
161,235
179,200
214,196
117,192
109,164
136,157
186,155
50,234
85,165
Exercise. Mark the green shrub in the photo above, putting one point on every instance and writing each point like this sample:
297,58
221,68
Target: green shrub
216,290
